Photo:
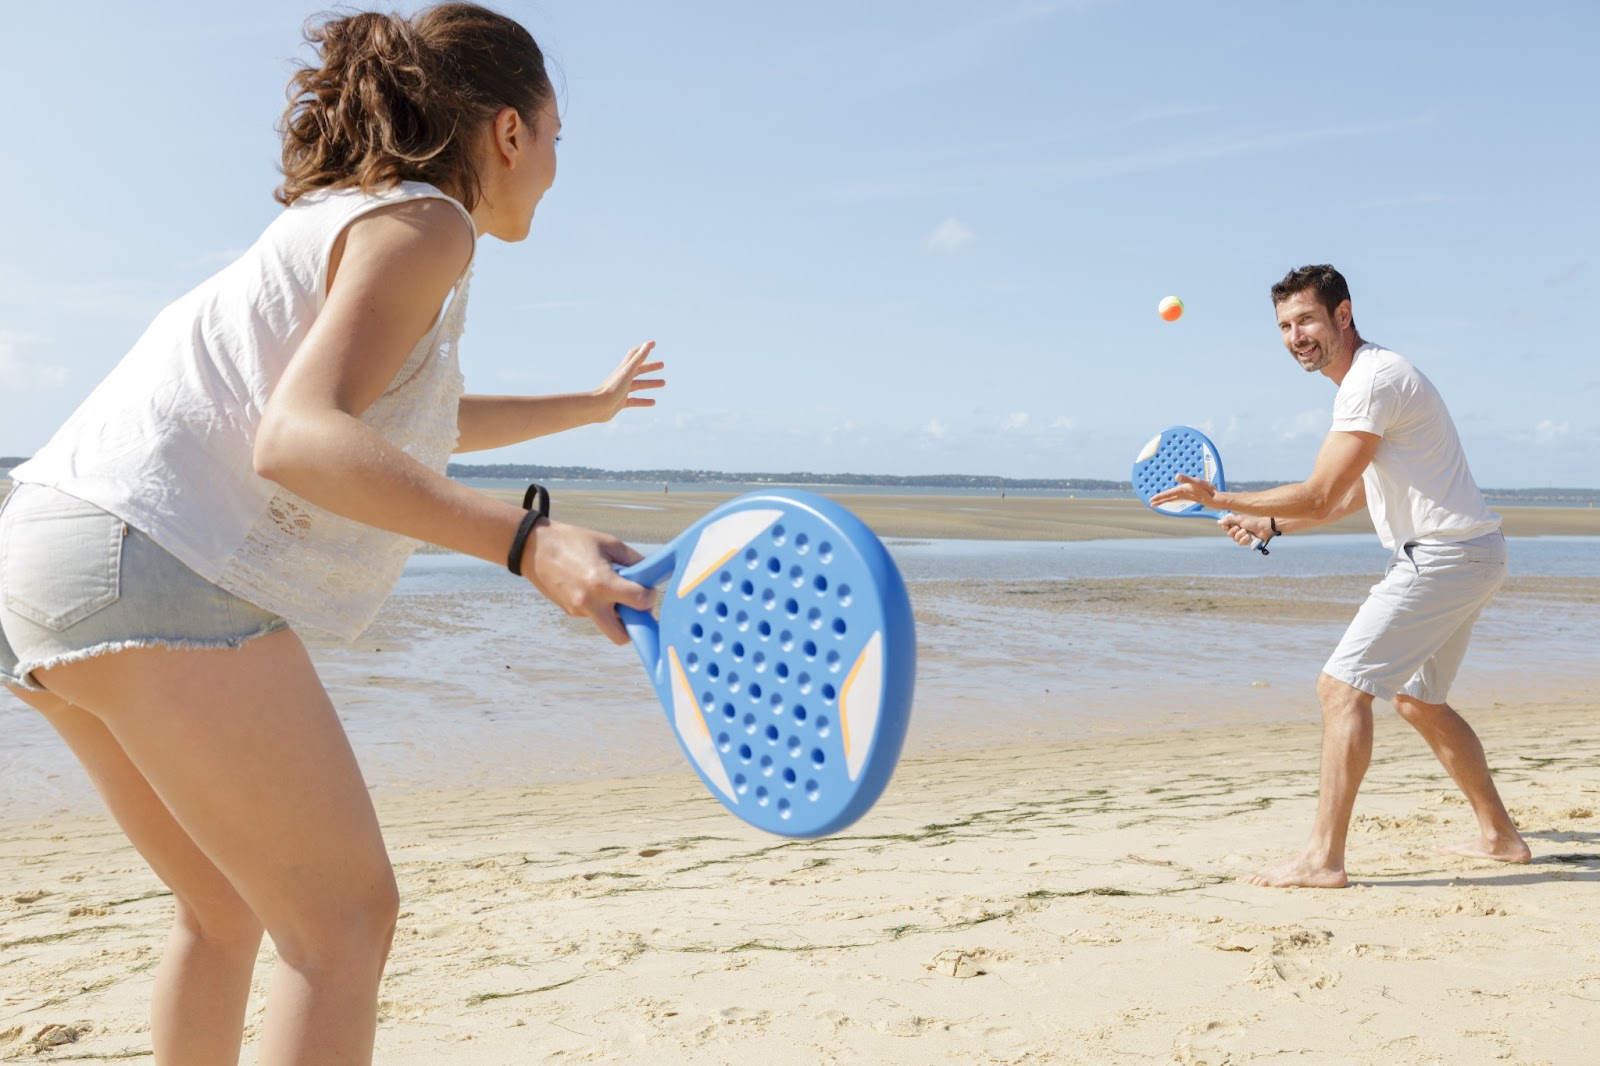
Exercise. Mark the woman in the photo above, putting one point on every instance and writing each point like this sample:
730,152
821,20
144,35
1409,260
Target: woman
266,457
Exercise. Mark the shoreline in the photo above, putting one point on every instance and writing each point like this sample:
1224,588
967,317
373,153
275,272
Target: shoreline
655,518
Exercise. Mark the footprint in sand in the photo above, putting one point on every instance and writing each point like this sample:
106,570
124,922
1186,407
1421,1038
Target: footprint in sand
1208,1043
953,962
1293,964
54,1036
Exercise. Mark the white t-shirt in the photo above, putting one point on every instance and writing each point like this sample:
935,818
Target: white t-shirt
166,440
1419,489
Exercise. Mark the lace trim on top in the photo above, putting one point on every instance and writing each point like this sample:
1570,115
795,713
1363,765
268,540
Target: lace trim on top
317,568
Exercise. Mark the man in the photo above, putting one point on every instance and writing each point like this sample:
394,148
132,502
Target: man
1394,450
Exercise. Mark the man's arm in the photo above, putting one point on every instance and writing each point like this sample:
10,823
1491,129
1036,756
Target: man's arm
1333,490
1354,500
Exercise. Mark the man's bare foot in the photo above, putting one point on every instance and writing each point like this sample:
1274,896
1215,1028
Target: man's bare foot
1298,872
1512,849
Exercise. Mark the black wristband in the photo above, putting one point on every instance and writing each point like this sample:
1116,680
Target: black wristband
1276,532
525,527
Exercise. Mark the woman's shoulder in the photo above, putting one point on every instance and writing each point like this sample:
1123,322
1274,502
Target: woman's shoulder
353,199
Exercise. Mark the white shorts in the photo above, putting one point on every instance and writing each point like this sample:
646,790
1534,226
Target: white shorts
1411,634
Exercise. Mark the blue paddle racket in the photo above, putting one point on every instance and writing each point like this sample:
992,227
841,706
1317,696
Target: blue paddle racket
1181,450
784,655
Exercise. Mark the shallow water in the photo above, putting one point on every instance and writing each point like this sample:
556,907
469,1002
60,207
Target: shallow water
470,678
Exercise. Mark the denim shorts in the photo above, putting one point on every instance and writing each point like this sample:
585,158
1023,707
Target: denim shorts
1411,634
76,581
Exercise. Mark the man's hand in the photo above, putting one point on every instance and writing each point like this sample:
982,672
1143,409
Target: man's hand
1192,489
1247,529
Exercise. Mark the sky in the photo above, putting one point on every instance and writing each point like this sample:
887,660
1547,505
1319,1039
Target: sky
903,237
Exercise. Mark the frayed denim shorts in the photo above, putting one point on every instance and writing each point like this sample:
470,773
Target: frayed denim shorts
76,582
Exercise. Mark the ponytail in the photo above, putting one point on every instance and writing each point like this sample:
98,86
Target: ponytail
395,99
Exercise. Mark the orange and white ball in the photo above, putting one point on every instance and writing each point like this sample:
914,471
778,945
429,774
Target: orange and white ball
1170,308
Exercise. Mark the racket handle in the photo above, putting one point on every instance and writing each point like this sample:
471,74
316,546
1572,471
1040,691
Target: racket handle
1255,542
645,633
643,628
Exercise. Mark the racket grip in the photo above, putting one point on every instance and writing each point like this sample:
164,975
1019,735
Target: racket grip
645,633
1255,542
643,628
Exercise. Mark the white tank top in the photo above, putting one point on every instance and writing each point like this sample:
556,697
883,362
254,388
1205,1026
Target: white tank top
165,441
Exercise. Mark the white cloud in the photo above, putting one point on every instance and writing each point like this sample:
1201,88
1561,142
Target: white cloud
1017,420
934,429
17,373
948,236
989,175
1064,422
1549,432
1161,114
211,260
843,433
1312,423
1421,199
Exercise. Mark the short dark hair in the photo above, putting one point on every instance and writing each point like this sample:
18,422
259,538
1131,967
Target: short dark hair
1327,282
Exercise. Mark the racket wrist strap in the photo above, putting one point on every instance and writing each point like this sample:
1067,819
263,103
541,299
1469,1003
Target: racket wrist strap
536,501
1273,522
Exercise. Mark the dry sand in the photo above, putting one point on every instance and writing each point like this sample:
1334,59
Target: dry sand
1064,903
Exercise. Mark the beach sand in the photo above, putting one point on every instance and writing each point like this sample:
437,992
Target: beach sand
1062,902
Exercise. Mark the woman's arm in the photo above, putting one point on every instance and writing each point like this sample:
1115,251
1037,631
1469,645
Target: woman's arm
496,421
391,272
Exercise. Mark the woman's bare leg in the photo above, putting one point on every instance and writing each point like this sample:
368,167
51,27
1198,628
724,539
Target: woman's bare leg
245,750
203,982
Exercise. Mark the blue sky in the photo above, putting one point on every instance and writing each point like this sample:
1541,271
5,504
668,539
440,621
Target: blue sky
898,237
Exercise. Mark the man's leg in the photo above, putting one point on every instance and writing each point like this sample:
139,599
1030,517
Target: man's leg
1346,752
1460,753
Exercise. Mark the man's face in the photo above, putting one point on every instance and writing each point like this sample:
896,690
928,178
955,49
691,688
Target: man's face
1311,334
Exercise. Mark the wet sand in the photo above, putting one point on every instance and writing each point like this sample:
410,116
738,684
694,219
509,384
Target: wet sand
653,518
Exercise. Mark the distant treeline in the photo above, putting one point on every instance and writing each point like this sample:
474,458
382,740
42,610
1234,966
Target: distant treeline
524,472
722,477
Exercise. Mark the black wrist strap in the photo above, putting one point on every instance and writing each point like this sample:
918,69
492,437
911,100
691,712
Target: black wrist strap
525,527
1276,532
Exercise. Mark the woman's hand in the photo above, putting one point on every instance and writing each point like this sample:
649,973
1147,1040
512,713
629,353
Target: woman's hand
617,391
575,569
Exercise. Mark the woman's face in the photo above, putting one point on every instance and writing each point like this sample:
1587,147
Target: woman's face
520,169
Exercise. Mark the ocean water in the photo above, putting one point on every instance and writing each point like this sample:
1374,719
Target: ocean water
470,678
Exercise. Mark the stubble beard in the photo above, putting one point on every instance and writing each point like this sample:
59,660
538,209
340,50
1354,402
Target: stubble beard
1317,364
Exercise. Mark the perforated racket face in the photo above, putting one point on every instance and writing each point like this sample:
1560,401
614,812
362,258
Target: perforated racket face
1177,450
787,660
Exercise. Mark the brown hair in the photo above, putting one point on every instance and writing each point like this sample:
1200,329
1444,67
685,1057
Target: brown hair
396,99
1326,282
